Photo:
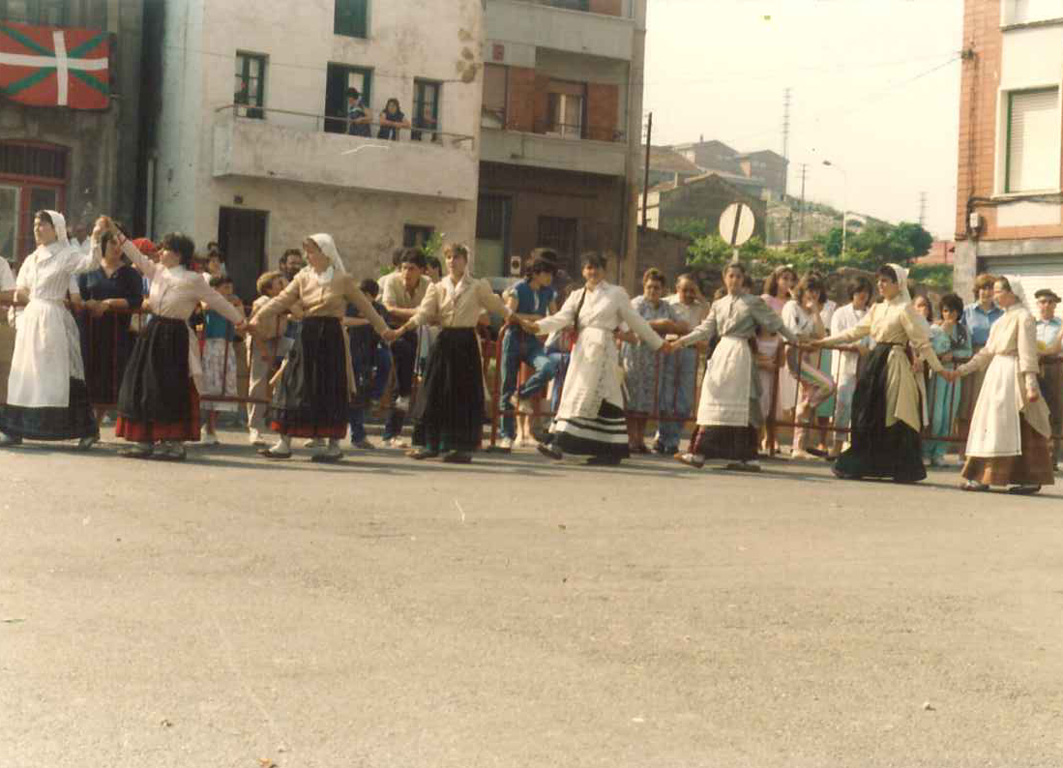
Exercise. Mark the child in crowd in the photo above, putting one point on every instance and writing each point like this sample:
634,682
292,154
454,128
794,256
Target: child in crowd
643,371
370,360
952,344
219,360
532,299
262,353
802,317
845,364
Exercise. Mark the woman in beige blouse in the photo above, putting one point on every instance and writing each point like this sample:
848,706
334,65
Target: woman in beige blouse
887,415
1008,439
448,414
311,399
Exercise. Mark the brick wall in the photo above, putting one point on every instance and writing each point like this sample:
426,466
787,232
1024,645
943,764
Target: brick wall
979,121
603,111
607,7
520,99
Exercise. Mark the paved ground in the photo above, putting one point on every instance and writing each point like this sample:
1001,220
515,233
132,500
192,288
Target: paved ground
517,613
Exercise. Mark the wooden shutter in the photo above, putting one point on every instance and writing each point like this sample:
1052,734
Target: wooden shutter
1034,133
603,111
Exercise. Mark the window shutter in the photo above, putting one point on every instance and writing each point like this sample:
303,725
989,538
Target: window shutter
1033,141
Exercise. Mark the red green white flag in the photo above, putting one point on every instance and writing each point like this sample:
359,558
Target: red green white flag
54,66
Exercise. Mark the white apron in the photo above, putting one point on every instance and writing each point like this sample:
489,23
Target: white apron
995,425
592,376
47,356
727,386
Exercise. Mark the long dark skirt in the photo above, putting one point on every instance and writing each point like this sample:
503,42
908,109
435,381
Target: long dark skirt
1033,467
312,397
74,421
156,400
106,345
731,443
449,412
604,436
877,451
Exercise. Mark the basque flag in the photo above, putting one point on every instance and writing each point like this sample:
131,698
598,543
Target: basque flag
54,66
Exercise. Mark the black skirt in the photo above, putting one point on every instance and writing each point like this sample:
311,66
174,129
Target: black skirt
156,379
449,412
74,421
719,442
106,345
876,450
312,397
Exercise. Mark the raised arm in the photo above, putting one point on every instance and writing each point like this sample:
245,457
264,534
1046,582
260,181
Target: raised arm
355,296
79,262
146,266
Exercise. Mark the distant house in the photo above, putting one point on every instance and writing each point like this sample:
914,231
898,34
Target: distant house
769,166
702,199
669,167
711,156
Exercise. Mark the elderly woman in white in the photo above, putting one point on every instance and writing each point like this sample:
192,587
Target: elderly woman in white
47,398
1008,442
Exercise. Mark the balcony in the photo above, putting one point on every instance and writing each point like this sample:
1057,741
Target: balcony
544,24
293,146
541,150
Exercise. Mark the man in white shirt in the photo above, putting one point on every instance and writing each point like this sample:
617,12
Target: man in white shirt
401,293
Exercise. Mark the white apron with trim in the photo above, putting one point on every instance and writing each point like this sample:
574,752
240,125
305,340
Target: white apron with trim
727,386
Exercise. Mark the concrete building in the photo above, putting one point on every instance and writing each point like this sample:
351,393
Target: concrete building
704,199
79,161
669,167
1009,216
562,117
260,161
771,167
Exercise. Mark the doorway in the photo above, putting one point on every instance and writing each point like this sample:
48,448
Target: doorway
242,238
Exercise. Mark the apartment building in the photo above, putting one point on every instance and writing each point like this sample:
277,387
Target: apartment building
561,126
70,75
251,142
1009,216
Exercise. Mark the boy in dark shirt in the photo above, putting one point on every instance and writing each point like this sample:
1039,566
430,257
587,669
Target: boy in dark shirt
371,361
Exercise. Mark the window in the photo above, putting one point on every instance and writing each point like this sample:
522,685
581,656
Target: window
493,112
51,13
572,5
352,18
561,235
29,160
492,234
416,235
426,109
565,109
1029,11
1033,141
339,79
250,84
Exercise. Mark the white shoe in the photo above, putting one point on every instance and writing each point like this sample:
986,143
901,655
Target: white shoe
314,442
401,403
802,454
255,438
6,439
395,442
505,444
208,438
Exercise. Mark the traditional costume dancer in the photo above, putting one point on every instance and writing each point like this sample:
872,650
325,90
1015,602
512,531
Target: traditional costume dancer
887,411
47,397
312,396
449,411
590,419
159,398
1010,429
729,414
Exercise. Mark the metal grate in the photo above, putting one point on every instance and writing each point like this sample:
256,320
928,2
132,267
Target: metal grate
38,162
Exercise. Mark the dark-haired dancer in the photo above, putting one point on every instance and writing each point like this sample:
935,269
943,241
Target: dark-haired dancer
47,398
590,419
887,411
729,413
159,398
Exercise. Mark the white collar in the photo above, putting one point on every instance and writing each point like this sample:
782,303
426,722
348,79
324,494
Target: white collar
326,277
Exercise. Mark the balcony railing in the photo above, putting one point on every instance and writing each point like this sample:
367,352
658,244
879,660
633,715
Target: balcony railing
495,117
311,122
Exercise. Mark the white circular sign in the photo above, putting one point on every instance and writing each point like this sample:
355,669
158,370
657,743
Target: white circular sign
737,223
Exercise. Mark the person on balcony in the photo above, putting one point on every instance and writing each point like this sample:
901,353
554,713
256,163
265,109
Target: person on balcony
391,120
359,121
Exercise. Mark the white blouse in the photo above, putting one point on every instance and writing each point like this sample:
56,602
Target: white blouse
47,272
176,291
605,308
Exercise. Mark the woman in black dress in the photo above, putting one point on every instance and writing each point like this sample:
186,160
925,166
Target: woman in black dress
106,340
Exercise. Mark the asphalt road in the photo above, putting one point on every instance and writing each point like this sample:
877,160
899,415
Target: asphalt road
231,612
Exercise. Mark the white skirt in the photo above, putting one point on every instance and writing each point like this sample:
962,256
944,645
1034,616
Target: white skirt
47,356
728,385
995,425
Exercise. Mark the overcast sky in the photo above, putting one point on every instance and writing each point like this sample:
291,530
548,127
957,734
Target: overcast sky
874,92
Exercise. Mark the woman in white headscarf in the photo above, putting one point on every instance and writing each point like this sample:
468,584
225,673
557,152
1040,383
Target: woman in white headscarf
47,398
887,412
1008,442
312,395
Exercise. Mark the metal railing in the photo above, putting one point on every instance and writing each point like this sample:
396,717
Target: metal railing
341,124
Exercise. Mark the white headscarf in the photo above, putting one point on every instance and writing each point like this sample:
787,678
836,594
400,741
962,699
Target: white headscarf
328,247
902,282
1017,288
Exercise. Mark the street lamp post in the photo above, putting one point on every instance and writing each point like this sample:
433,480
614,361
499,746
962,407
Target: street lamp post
845,201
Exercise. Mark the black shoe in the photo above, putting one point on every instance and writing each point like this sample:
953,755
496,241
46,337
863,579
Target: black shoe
842,475
457,457
550,451
1024,490
603,461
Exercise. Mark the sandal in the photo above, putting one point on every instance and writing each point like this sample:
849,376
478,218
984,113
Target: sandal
971,485
269,453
